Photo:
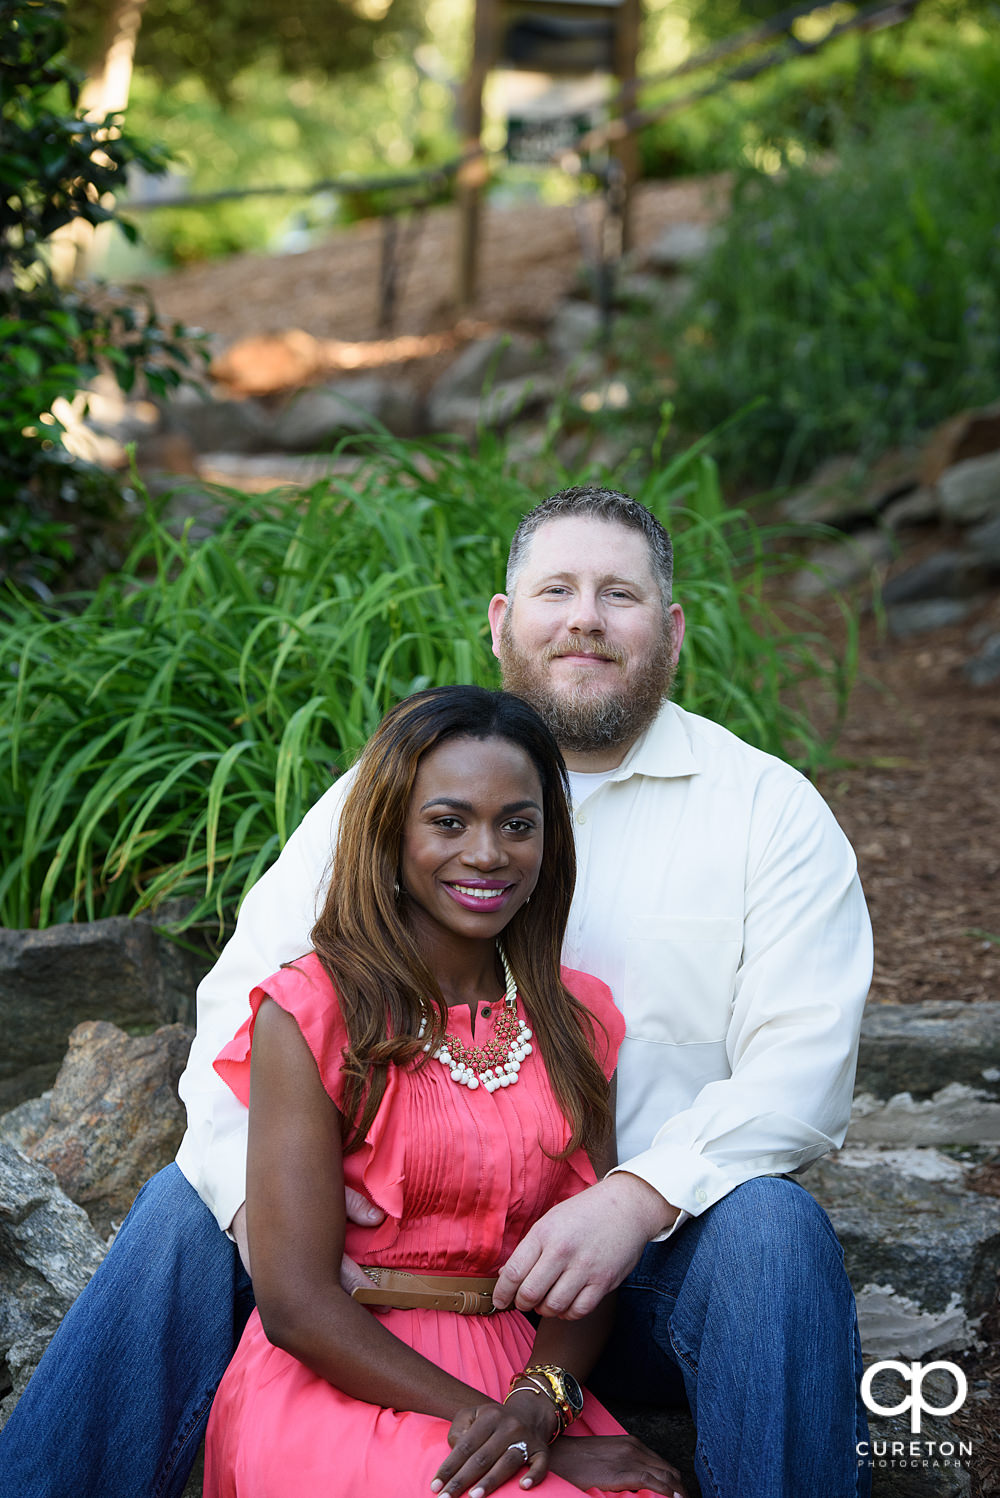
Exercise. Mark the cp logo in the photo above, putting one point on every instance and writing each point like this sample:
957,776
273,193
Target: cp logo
913,1374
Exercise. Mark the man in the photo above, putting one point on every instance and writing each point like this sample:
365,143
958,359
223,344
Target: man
719,900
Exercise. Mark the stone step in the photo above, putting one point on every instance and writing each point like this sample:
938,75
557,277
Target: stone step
928,1074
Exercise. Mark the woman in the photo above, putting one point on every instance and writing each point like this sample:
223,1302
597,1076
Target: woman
455,831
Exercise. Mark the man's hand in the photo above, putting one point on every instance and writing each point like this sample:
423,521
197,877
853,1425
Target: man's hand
360,1211
618,1464
583,1248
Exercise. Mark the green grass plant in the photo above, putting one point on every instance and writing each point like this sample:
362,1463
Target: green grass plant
162,735
859,300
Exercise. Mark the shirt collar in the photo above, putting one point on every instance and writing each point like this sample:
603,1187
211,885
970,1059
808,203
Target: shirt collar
663,750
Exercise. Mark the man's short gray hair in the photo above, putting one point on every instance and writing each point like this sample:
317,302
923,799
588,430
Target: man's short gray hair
599,504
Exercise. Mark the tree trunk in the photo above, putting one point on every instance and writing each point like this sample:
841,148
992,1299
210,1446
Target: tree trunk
105,91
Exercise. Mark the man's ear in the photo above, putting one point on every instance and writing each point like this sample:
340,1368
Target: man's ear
497,613
677,614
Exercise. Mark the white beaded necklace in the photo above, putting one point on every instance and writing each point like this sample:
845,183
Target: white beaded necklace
497,1063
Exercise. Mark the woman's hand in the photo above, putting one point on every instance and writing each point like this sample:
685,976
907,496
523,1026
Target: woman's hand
481,1438
619,1464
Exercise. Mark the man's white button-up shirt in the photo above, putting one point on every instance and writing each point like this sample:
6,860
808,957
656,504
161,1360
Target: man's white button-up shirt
716,896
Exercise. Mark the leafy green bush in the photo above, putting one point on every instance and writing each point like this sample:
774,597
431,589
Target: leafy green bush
57,169
162,735
861,302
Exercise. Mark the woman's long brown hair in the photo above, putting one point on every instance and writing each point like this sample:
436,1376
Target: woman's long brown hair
363,936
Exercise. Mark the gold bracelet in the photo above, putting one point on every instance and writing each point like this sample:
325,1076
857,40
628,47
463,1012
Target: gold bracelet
533,1388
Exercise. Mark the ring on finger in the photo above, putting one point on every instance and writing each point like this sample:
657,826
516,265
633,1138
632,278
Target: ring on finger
522,1447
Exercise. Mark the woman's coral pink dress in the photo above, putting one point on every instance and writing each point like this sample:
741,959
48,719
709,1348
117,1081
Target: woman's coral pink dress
461,1175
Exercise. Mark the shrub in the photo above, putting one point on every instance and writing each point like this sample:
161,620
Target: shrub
164,734
57,168
860,302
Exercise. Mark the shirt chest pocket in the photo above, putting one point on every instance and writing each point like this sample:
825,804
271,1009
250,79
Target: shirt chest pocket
679,977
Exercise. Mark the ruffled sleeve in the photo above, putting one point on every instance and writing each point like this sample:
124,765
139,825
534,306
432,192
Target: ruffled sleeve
304,991
609,1029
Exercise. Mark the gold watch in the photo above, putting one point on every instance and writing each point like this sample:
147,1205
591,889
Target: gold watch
566,1394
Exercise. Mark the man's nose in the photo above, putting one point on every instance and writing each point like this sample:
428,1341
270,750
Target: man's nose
584,615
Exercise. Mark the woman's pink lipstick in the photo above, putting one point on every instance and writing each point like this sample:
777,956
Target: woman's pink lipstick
459,891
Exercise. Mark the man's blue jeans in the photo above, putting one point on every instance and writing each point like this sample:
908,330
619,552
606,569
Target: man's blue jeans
749,1302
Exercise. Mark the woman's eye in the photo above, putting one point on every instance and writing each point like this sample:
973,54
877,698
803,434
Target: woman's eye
448,824
519,826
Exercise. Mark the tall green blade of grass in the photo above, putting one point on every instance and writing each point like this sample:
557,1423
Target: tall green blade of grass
163,734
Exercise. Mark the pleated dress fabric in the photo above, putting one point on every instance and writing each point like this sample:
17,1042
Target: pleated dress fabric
461,1175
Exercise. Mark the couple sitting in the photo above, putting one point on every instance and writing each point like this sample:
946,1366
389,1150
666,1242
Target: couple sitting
717,899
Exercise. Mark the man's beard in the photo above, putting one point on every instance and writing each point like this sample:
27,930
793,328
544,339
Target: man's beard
582,719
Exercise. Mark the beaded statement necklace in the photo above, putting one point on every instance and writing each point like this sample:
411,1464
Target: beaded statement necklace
497,1063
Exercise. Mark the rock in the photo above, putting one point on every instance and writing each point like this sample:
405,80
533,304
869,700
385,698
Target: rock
664,296
114,1117
682,246
48,1251
955,1114
919,1048
971,434
945,574
120,970
840,564
922,1252
575,327
917,507
488,361
211,425
933,613
984,668
258,473
316,418
24,1125
847,494
970,491
497,407
928,1074
983,541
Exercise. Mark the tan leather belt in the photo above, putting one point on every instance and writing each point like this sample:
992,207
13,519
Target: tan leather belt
403,1290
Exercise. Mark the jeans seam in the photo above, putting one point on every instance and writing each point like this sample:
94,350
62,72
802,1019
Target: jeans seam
183,1437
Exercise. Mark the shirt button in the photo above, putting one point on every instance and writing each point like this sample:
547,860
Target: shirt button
581,817
486,1011
701,1196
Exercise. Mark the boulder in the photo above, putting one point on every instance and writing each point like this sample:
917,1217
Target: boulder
918,618
682,247
921,1048
209,424
317,418
983,669
922,1251
983,542
488,361
122,970
841,564
49,1251
970,491
970,434
575,327
114,1117
496,408
946,574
